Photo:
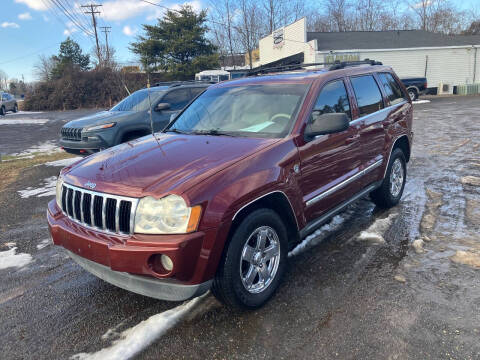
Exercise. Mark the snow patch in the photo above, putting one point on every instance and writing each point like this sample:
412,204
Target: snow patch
9,259
421,101
375,232
23,121
24,113
466,258
64,162
44,243
134,340
470,180
46,147
418,246
317,236
47,189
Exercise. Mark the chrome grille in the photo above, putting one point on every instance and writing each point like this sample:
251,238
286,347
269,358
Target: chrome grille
74,134
100,211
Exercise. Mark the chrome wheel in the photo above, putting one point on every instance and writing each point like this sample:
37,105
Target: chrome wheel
260,259
397,176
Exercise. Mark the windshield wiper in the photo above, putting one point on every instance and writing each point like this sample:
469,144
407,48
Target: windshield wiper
177,131
213,132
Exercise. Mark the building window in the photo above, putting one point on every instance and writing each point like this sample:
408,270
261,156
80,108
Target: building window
392,89
367,93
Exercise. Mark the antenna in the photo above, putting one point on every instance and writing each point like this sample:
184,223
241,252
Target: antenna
150,112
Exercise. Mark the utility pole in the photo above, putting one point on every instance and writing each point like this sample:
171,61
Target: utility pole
106,30
93,11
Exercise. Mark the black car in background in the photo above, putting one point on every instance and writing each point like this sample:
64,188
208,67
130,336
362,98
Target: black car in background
416,86
129,119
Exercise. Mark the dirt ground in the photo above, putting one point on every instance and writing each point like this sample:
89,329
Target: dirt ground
372,284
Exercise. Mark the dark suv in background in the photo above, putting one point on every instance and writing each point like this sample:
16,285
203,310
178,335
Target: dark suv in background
129,119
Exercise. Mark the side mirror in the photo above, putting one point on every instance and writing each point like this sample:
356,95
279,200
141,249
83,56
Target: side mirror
327,123
162,106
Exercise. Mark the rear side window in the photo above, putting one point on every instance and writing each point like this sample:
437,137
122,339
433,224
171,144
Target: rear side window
392,89
177,99
196,91
367,93
332,99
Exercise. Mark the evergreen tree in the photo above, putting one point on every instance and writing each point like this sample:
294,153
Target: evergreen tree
177,44
70,57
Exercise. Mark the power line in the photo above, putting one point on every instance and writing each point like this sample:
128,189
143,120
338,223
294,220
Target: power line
60,6
93,11
77,13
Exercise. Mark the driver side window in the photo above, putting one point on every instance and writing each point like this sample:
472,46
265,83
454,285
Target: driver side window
177,99
333,98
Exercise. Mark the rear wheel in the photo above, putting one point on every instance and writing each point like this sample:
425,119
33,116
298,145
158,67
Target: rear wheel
15,108
391,190
2,110
254,261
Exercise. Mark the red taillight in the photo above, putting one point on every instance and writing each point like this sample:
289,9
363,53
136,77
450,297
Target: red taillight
426,85
82,151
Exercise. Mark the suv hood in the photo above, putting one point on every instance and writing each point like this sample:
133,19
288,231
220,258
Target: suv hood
102,117
161,164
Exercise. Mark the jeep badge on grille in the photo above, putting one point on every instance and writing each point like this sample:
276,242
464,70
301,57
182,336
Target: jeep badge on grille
90,185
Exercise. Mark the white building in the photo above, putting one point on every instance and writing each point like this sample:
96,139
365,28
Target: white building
445,60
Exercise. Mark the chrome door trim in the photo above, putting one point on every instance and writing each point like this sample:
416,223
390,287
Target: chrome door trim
378,112
344,183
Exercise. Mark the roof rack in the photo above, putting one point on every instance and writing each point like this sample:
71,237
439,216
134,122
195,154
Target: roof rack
335,66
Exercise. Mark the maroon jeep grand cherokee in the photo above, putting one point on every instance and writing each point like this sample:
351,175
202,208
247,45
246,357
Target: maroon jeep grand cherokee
243,173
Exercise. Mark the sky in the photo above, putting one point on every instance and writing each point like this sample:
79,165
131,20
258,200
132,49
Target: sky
29,28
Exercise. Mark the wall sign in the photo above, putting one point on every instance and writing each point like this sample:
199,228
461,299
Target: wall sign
278,38
332,57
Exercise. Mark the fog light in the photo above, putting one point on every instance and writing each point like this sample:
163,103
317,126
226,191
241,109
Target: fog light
167,263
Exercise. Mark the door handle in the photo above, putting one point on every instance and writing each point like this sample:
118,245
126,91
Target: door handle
351,139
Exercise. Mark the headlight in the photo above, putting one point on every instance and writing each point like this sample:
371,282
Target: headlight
168,215
99,127
59,192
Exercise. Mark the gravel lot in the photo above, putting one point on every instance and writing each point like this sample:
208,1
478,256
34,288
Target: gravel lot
373,284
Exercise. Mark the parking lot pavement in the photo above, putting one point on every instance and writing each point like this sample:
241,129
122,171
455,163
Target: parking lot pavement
372,284
34,131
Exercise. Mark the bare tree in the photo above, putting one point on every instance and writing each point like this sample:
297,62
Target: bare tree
224,33
338,11
249,26
438,16
3,80
43,68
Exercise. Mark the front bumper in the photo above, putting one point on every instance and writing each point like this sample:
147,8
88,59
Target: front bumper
89,146
143,285
125,261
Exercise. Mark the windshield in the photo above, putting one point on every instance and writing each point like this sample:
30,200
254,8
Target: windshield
253,111
138,101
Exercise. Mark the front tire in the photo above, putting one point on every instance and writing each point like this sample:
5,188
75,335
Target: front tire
2,111
391,190
254,261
